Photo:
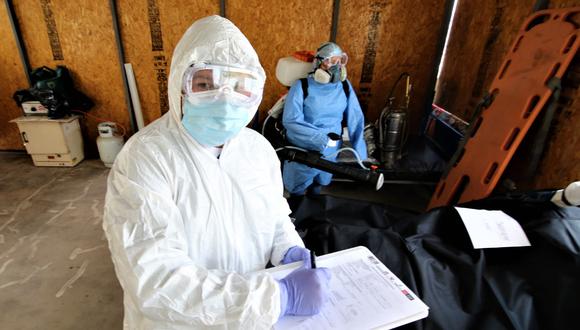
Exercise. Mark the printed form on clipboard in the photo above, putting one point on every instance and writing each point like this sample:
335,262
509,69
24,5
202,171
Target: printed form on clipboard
365,294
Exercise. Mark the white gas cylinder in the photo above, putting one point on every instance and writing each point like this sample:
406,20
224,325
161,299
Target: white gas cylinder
108,142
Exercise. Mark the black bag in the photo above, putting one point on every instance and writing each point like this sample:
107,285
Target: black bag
55,90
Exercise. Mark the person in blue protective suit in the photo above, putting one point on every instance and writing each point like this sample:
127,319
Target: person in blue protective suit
314,120
195,207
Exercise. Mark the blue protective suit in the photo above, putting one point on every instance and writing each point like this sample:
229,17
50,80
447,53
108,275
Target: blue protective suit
308,123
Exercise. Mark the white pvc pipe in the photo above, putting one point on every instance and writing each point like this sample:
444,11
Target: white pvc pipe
134,95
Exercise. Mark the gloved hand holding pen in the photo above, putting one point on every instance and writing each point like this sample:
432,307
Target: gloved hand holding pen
304,291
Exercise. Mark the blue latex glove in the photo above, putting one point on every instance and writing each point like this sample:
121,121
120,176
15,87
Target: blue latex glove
296,253
304,291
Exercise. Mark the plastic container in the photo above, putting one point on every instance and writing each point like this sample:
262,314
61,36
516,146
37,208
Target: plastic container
108,143
289,69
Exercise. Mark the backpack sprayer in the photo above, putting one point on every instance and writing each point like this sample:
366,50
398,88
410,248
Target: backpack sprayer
391,128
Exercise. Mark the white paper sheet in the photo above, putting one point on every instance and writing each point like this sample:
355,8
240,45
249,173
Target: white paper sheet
492,229
364,295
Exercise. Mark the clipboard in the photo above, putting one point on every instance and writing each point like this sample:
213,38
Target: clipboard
365,294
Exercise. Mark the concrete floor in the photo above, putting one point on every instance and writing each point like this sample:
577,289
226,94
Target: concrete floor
55,267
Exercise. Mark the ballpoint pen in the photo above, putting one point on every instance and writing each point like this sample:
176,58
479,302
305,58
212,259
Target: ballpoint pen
312,260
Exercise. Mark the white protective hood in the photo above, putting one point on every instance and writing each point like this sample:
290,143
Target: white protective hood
211,40
185,228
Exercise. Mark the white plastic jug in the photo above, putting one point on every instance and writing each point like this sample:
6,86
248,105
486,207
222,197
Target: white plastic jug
290,69
108,143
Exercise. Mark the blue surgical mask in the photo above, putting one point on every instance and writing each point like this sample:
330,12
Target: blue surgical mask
213,124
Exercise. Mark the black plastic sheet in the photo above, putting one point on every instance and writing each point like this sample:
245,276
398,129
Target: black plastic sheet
535,287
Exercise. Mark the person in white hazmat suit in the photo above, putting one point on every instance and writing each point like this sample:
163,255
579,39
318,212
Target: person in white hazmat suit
194,202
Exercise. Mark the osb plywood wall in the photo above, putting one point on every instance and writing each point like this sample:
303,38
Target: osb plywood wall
13,78
277,29
481,35
386,38
382,37
150,30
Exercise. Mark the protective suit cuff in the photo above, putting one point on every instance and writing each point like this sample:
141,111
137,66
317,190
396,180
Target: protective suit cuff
279,252
287,255
321,140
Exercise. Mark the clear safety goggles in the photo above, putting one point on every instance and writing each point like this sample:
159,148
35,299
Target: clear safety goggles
334,60
202,82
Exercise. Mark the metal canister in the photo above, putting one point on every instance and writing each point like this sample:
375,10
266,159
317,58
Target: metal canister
394,132
393,138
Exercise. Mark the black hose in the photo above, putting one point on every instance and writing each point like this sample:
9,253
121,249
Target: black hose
313,159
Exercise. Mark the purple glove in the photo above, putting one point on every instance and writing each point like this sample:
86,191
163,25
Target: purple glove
304,291
296,253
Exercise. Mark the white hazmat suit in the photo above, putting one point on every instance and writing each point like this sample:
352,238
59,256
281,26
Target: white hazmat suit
184,227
